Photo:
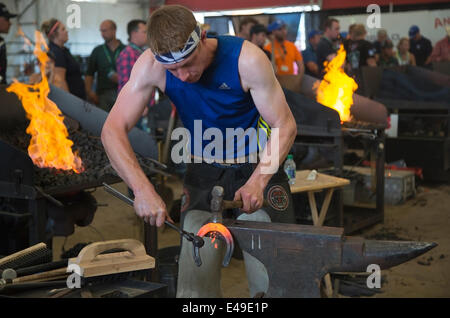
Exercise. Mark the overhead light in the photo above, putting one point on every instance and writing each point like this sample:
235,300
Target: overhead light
199,17
97,1
231,28
269,10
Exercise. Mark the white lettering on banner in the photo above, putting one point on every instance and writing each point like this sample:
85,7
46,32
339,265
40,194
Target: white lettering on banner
74,18
374,20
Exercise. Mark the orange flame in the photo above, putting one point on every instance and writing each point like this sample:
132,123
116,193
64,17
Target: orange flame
49,146
336,89
27,42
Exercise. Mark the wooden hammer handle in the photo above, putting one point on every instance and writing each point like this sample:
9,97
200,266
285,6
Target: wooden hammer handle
232,204
42,277
237,204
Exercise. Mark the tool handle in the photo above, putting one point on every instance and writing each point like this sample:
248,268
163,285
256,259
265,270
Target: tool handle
91,251
129,201
238,204
118,195
232,204
45,276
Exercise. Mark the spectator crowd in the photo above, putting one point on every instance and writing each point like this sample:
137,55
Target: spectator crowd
322,45
110,63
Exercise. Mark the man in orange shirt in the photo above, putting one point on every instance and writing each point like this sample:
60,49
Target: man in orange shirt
285,52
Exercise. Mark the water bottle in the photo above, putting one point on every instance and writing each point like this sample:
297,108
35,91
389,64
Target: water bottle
289,168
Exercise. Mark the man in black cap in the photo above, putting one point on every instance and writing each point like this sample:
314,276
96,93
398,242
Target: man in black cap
310,53
5,15
420,46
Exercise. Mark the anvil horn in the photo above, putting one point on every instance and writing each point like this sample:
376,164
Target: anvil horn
358,253
394,253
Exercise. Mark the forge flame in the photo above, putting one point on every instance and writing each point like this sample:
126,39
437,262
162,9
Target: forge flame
337,88
49,146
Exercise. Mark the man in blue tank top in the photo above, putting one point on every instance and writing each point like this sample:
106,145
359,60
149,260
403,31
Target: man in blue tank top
225,90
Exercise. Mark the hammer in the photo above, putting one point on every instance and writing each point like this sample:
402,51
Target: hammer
218,204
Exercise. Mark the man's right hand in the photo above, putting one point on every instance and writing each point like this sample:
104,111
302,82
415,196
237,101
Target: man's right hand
150,207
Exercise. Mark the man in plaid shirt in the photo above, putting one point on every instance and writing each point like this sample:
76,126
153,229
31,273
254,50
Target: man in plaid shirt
137,33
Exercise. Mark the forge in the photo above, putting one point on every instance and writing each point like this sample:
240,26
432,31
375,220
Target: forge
39,203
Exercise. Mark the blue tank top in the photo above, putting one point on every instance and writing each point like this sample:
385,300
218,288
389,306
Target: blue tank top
219,101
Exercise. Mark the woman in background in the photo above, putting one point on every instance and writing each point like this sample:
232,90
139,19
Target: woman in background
404,57
67,72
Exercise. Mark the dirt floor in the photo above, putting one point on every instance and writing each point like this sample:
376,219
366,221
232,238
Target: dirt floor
423,218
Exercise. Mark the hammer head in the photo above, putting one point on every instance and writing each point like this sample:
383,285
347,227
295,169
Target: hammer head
217,200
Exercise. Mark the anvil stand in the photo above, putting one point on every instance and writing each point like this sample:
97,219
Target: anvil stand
322,182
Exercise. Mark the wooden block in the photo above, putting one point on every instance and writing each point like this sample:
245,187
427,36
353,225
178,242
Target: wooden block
134,258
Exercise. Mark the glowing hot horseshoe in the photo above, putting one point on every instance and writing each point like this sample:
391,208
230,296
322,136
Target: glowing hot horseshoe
223,234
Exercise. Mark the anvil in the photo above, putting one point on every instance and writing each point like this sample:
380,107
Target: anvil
297,256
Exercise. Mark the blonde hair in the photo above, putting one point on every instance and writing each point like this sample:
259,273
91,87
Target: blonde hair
169,28
400,42
47,28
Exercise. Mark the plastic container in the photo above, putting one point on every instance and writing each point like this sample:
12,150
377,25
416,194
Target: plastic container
289,168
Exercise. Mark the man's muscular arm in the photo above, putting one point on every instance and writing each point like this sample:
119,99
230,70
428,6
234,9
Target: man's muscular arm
125,113
258,77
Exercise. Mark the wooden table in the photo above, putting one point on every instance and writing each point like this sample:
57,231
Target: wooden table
321,183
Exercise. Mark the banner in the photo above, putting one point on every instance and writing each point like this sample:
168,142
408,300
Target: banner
431,24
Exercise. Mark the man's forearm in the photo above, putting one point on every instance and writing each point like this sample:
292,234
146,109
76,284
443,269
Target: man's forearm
123,158
285,140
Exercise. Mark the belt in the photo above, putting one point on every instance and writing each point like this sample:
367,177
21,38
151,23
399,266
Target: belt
252,158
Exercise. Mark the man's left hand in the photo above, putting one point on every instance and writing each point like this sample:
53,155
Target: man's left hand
252,196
